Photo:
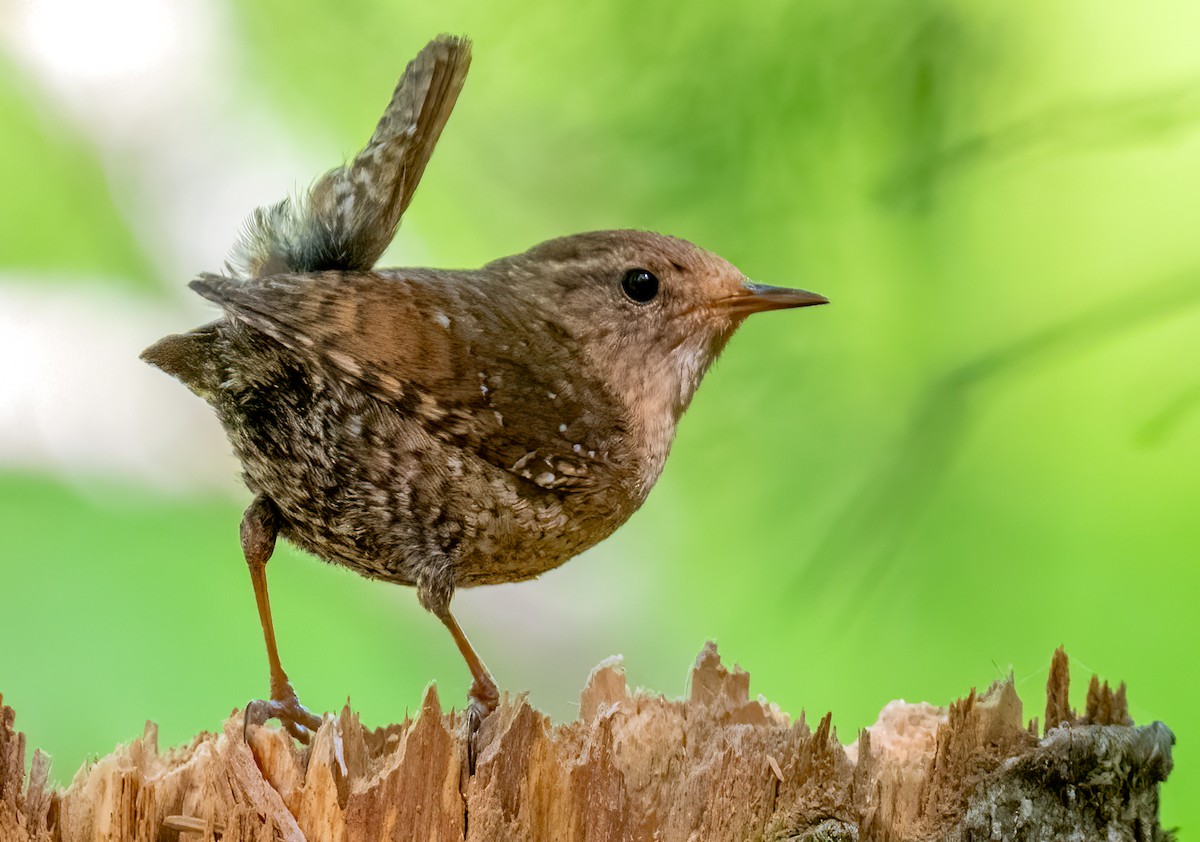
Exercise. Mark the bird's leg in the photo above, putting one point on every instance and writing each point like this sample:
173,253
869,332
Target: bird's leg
260,526
484,695
435,589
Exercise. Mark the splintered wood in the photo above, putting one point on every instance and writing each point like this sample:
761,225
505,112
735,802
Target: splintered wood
716,766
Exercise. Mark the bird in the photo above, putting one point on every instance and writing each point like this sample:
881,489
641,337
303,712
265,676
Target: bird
435,428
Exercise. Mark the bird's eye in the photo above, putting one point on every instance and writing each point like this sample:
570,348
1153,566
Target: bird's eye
640,285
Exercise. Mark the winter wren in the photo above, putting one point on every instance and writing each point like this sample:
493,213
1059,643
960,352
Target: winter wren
437,428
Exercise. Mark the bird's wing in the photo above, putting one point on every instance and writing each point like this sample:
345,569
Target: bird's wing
350,216
517,394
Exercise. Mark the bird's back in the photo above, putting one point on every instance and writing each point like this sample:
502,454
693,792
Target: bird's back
444,443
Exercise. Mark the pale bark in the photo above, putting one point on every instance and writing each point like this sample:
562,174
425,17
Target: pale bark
716,766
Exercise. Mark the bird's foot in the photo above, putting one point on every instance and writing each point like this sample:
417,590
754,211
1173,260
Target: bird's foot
484,698
283,705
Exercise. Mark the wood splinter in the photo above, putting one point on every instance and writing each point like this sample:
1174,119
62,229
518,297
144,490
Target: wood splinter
635,766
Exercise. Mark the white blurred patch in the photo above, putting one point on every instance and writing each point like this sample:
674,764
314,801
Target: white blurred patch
76,400
188,143
148,83
98,47
119,66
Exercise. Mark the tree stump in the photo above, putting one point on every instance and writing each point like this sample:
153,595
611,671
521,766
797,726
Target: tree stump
634,766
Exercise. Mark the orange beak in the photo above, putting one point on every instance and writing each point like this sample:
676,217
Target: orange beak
758,298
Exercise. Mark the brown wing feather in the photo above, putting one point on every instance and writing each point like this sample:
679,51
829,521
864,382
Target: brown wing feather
392,337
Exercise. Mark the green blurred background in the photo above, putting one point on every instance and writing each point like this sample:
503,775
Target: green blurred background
986,447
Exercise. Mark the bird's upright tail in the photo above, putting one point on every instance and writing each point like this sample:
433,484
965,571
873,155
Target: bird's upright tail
350,216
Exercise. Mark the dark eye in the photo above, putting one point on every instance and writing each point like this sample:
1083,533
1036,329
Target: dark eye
640,285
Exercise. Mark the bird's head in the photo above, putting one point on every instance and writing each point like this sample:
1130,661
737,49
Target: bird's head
650,312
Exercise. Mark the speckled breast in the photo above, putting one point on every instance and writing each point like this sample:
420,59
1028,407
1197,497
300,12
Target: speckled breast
361,484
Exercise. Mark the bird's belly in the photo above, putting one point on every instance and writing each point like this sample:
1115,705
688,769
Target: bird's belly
489,528
367,488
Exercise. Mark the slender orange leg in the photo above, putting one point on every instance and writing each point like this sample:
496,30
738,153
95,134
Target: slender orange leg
484,694
260,526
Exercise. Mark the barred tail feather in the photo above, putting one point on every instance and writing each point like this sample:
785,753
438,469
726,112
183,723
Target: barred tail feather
350,216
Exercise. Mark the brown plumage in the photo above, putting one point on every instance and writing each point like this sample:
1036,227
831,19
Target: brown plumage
438,428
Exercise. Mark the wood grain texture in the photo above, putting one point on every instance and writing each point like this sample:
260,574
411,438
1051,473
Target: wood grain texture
717,765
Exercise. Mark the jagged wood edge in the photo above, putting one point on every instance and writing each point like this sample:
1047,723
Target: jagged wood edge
718,764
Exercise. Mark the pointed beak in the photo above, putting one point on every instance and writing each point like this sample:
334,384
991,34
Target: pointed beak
758,298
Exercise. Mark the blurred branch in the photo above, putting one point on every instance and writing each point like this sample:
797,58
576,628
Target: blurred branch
1164,423
872,526
1084,126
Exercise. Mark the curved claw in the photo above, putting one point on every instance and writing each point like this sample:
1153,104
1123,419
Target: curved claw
297,720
